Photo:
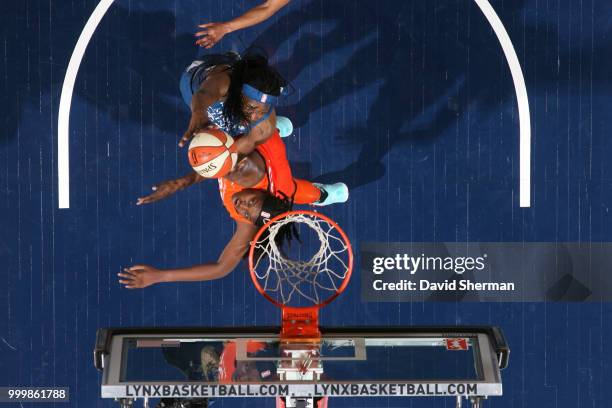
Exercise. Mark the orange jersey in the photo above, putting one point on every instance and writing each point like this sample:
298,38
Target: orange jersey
278,176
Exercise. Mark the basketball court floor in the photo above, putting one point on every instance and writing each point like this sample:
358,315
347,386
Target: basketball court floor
410,103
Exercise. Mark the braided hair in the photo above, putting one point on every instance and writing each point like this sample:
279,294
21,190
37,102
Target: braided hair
271,207
251,69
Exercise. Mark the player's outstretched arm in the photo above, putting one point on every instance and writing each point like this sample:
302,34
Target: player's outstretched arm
212,33
141,276
257,135
169,187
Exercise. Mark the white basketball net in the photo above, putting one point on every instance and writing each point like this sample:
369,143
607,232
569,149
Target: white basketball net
313,280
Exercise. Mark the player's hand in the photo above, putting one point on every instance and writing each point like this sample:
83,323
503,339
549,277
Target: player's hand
198,121
162,190
211,34
139,276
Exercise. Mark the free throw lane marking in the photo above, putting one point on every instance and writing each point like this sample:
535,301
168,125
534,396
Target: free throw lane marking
486,8
63,117
521,98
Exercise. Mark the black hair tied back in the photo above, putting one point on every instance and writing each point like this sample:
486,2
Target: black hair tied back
252,69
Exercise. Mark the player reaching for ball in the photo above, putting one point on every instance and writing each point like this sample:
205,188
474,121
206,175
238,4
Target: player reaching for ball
259,187
212,33
236,94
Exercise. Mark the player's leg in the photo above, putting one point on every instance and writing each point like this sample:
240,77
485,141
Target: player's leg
320,194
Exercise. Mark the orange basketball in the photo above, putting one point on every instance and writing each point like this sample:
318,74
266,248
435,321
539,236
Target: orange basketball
212,153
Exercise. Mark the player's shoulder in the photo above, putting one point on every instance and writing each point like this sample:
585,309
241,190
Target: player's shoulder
264,130
218,79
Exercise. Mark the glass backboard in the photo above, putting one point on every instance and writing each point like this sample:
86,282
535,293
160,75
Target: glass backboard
254,362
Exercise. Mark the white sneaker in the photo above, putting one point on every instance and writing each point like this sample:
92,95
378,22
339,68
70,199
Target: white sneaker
284,126
336,193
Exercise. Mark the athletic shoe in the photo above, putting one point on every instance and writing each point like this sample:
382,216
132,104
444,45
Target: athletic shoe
284,126
332,193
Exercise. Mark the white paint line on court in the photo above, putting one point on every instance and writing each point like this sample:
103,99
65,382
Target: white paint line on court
521,97
63,118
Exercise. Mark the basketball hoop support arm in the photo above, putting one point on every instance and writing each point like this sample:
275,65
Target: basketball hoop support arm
300,323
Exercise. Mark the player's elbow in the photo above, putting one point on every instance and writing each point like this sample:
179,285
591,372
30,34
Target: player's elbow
222,270
260,136
245,145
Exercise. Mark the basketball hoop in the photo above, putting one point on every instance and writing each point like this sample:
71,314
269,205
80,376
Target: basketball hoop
301,280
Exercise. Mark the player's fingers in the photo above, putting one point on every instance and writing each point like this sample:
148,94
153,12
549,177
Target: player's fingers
205,25
186,135
125,275
136,268
185,138
154,188
203,33
145,200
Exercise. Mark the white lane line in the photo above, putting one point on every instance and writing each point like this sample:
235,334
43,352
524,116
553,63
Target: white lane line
521,97
63,118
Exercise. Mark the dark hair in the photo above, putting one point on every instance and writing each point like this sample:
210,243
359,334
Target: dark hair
252,69
273,206
287,233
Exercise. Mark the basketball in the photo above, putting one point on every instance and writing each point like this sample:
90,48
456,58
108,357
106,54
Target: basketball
211,153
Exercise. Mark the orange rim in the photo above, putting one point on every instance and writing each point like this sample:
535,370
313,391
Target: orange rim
314,214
